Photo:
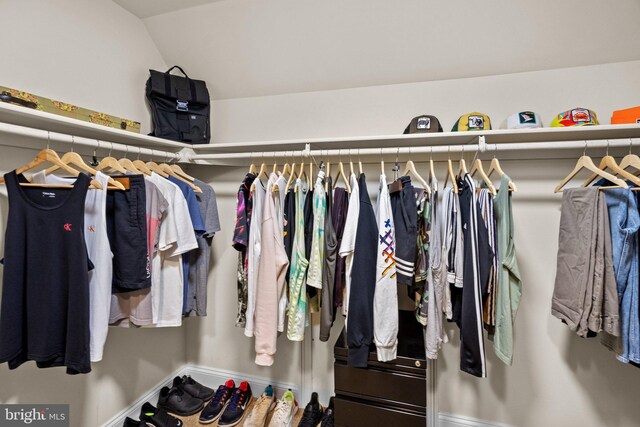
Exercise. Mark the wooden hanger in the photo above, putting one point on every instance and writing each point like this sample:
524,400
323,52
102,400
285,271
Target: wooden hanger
494,166
609,163
300,175
153,166
177,169
292,175
462,170
48,155
342,175
411,168
451,176
477,167
585,162
631,160
142,167
111,164
73,158
327,171
167,169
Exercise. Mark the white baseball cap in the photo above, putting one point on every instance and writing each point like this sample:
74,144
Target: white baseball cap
524,119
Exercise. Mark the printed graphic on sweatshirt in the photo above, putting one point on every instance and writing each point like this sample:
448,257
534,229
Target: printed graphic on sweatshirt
388,250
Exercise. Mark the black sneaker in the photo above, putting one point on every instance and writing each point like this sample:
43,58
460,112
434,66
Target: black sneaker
239,402
176,401
216,407
312,412
327,418
158,417
128,422
193,387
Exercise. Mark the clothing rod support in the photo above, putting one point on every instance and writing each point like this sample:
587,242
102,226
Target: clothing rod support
105,146
472,148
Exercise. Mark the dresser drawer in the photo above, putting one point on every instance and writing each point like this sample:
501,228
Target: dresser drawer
392,386
349,413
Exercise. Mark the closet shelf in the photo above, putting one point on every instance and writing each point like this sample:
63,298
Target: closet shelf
499,136
21,116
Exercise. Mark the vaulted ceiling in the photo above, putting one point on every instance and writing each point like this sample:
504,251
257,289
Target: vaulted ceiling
245,48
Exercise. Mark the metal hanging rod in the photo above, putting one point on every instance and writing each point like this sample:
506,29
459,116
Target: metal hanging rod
480,146
85,142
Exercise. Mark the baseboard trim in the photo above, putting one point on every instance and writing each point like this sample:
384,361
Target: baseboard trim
208,376
449,420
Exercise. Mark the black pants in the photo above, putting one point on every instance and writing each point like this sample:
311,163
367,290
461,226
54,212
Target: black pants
405,220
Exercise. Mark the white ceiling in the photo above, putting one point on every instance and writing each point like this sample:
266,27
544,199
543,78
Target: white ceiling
148,8
245,48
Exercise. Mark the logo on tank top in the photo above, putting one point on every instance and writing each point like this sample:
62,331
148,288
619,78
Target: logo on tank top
67,227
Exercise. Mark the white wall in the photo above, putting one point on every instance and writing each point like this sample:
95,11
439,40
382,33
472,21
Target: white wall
557,378
96,55
93,54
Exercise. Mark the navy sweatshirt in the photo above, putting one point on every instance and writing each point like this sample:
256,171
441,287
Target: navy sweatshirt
363,282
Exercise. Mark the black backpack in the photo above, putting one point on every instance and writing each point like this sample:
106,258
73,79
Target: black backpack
180,107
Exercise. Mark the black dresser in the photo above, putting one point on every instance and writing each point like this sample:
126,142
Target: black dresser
384,394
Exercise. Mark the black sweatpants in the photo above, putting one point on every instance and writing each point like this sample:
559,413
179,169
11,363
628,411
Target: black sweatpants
405,220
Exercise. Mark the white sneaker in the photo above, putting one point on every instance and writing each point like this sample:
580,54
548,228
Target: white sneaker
262,407
285,411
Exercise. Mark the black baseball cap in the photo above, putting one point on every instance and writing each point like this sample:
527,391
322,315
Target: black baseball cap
424,124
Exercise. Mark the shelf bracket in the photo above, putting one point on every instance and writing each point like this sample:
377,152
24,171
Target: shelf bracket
482,145
307,150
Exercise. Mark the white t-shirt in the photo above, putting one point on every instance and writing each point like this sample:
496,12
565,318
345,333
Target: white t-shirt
175,237
348,245
253,253
99,251
385,298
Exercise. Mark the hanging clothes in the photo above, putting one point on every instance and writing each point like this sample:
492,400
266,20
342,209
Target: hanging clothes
45,316
363,282
348,245
99,251
272,268
316,260
296,316
485,201
240,243
385,299
421,266
509,283
199,260
279,213
405,222
327,308
340,211
254,249
478,262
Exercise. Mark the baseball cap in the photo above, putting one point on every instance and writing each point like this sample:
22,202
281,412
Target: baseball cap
629,115
524,119
575,117
424,124
472,121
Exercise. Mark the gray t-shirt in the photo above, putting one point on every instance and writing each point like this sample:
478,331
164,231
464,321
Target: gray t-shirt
199,261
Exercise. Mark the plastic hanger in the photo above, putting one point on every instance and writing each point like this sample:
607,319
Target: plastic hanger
585,162
73,158
609,163
477,167
141,166
450,175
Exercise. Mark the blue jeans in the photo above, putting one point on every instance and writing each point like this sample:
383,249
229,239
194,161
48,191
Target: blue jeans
624,222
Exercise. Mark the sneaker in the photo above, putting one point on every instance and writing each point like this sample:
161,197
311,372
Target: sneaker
285,411
258,415
237,405
312,412
216,407
176,401
157,417
327,418
128,422
193,387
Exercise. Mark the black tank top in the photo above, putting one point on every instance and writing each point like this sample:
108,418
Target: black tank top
44,314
